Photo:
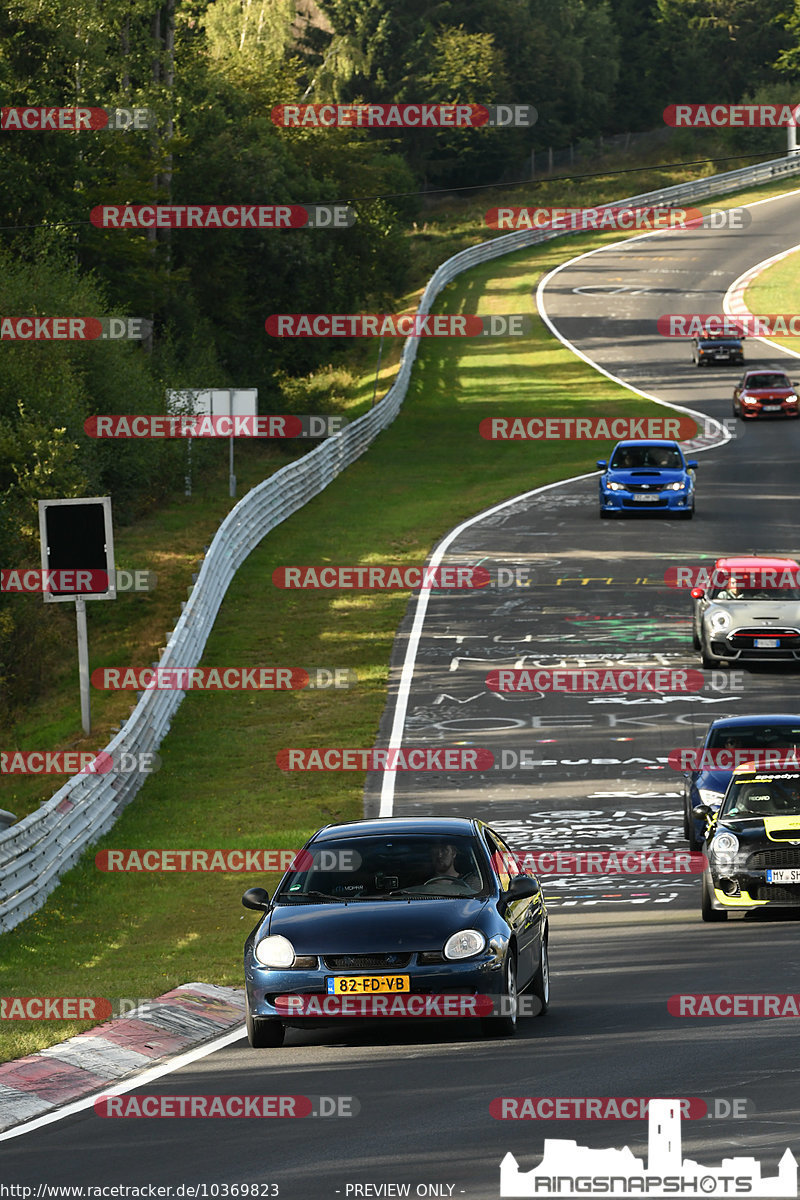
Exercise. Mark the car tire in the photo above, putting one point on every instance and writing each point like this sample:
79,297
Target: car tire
687,826
264,1032
540,988
688,514
695,638
505,1025
695,846
706,911
707,662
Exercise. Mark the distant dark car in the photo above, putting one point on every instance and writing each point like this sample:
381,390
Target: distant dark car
374,911
647,477
765,392
707,786
753,848
706,351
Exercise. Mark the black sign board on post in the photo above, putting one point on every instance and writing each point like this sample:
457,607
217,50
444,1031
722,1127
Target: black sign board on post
78,564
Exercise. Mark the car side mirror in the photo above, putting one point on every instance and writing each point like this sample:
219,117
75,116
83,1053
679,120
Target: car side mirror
697,593
692,465
701,810
522,886
257,898
602,462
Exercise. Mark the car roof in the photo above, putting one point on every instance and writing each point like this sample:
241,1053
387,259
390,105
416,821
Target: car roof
393,826
755,719
765,371
649,442
750,563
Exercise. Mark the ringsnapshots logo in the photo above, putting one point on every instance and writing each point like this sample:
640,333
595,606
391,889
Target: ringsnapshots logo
358,325
622,219
724,325
130,425
74,329
78,762
567,1169
404,116
223,216
75,120
217,679
731,116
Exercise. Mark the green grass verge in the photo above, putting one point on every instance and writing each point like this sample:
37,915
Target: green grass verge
139,935
777,290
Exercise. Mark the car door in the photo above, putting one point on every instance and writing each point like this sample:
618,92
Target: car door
525,915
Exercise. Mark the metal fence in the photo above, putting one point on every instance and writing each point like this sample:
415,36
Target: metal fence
39,848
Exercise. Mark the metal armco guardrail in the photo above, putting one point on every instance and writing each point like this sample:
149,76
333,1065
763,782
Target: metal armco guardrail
38,849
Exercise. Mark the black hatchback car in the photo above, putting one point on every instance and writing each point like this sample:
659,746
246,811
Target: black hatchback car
412,907
753,848
726,739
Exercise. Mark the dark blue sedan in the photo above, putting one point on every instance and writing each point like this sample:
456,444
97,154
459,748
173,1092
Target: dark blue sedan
647,477
411,908
706,788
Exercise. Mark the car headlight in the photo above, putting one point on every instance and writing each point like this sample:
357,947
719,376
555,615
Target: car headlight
615,487
275,951
676,487
724,845
709,797
749,399
719,620
464,944
791,399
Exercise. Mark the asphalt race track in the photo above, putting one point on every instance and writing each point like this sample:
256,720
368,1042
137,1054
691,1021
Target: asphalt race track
620,945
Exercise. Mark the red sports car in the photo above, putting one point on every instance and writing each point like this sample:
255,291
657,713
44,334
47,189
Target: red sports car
769,392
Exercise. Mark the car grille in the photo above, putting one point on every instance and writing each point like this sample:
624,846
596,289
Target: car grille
744,638
366,962
784,895
646,487
774,858
628,503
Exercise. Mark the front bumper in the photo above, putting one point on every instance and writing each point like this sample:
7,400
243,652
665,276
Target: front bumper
656,502
767,409
482,975
744,886
739,645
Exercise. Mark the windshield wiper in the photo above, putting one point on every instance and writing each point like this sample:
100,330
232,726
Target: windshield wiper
292,896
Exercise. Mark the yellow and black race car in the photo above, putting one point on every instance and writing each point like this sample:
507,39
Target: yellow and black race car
752,844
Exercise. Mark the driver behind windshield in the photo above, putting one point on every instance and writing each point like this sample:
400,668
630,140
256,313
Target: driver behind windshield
443,862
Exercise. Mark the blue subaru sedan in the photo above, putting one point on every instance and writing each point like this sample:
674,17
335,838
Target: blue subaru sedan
647,477
419,910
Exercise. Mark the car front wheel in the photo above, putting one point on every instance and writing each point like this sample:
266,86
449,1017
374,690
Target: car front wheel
264,1032
707,912
540,988
506,1024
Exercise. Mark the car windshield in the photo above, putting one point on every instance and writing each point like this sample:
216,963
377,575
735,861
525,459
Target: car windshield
387,868
755,382
755,737
755,593
628,458
763,796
